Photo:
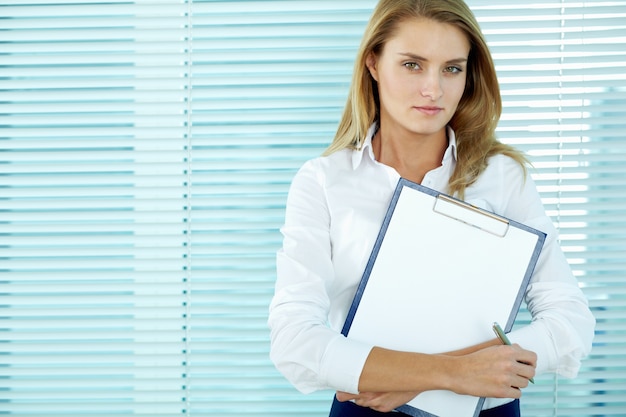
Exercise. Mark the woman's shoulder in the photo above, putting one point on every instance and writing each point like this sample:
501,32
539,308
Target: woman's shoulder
504,180
327,165
505,160
506,168
314,177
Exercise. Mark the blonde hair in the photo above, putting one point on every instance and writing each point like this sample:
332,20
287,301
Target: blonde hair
479,109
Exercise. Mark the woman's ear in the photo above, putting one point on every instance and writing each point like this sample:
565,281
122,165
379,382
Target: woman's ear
371,63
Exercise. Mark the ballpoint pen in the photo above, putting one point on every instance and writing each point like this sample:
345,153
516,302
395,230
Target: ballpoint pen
504,339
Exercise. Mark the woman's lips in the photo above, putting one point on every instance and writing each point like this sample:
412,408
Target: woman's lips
429,110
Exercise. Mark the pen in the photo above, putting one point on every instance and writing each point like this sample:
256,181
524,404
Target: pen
505,340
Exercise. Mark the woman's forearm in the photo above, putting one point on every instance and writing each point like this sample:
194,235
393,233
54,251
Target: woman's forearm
489,371
389,370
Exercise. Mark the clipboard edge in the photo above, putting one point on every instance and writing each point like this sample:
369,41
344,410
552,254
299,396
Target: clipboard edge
372,258
532,263
416,412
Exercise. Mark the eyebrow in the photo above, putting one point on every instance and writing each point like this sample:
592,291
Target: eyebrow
420,58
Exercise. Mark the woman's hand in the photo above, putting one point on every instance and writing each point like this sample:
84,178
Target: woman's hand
497,371
379,401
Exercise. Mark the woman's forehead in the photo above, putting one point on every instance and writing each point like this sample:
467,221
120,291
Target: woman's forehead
428,38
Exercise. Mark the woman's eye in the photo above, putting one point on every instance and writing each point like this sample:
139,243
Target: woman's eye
412,66
453,69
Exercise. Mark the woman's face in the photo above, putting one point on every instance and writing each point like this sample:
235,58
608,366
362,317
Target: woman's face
421,75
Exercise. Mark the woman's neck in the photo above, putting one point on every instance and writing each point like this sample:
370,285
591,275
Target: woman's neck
412,156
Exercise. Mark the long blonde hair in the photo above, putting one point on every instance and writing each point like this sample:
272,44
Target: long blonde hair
478,111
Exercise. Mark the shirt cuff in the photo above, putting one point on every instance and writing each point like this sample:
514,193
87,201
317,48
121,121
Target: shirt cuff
343,363
535,338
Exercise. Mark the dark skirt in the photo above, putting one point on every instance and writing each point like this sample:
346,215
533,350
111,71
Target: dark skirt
350,409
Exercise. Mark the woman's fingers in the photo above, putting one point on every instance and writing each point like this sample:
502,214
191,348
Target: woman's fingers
379,401
497,371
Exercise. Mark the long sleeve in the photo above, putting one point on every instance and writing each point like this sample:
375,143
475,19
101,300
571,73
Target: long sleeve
310,355
562,326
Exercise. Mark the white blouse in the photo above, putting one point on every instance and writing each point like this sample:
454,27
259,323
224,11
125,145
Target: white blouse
335,208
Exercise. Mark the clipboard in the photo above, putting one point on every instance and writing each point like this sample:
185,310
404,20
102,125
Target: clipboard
441,272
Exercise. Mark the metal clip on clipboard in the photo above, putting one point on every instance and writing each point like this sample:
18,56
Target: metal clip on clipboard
471,215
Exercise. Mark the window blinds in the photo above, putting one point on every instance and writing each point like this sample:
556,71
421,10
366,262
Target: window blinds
146,148
93,208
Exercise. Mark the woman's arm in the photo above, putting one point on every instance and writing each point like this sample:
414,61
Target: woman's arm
310,354
495,371
562,327
485,370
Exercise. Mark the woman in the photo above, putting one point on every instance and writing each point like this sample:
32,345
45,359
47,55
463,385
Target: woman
423,105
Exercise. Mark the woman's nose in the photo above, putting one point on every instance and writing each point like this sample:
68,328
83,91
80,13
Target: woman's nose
431,86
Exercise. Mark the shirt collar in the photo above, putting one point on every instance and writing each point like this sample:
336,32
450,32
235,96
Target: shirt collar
366,150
